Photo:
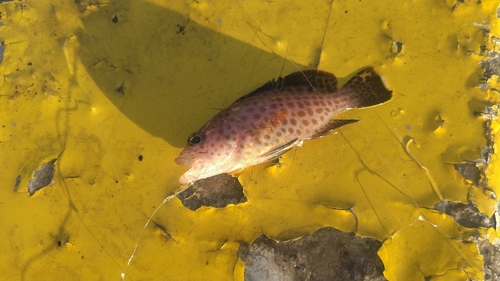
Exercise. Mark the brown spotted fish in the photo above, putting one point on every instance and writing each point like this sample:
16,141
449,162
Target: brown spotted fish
269,121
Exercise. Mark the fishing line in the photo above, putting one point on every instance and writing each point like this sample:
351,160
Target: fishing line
132,255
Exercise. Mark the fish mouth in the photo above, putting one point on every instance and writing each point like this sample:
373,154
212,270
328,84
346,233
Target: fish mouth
184,161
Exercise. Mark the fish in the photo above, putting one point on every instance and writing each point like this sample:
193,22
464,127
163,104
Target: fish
282,114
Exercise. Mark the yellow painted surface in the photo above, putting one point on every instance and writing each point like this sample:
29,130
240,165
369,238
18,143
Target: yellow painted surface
110,83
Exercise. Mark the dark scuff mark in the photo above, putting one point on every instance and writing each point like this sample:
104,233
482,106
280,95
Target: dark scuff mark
18,181
163,229
121,89
181,29
327,254
217,191
2,50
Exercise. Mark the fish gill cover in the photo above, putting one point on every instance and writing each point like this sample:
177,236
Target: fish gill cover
119,85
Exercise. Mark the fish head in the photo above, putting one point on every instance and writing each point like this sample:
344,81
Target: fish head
207,153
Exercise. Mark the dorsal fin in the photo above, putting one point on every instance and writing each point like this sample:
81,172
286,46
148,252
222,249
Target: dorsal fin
303,81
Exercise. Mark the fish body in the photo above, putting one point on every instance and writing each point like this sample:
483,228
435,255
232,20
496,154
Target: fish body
276,117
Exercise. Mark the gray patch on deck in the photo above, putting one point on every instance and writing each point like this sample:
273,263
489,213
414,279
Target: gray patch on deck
327,254
466,215
217,191
469,171
491,257
43,176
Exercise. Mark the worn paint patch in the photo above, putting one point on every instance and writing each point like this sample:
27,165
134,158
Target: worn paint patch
42,176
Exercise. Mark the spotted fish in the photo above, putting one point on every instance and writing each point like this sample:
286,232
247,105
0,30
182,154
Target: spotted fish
276,117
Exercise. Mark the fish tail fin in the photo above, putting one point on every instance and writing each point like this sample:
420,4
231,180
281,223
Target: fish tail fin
367,89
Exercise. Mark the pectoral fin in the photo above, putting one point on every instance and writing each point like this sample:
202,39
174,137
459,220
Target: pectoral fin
278,151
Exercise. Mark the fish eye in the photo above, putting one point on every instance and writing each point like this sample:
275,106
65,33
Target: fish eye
195,139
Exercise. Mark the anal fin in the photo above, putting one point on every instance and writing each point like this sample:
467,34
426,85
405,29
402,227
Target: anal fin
332,125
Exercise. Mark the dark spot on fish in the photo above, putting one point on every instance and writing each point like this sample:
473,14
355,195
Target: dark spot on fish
283,129
284,122
330,103
298,132
319,110
310,111
316,103
256,115
293,121
291,130
267,137
307,103
301,113
290,104
300,105
250,109
314,121
322,118
305,122
273,106
244,118
278,134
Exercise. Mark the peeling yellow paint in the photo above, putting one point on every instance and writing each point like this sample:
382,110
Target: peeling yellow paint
111,83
